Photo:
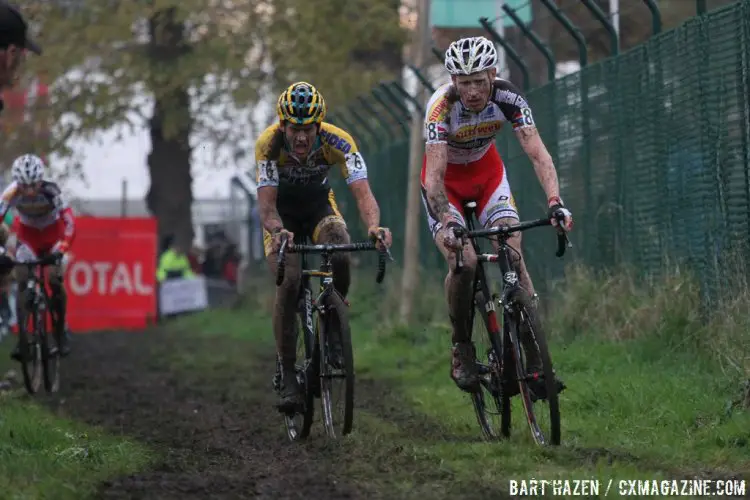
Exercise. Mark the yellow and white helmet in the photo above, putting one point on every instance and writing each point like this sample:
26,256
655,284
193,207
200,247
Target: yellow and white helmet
301,104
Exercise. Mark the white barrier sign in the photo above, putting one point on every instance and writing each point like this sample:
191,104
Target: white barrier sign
179,295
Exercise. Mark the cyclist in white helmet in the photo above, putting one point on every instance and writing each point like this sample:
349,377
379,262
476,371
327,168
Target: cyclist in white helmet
44,224
462,164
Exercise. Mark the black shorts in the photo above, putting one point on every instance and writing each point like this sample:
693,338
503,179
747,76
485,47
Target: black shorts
304,211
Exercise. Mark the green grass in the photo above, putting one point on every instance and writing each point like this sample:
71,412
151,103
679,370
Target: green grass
43,456
650,394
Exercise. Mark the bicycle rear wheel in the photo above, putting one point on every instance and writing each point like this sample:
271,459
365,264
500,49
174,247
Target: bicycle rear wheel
31,353
298,424
49,344
336,367
536,409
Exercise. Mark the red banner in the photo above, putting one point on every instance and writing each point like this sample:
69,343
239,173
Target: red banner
111,274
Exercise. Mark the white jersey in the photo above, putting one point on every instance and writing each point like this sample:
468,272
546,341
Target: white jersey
37,210
469,134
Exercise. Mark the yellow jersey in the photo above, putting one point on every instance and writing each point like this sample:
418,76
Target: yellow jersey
276,165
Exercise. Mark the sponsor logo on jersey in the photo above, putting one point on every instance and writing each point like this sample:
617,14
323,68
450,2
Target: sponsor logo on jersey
475,131
506,96
439,110
335,141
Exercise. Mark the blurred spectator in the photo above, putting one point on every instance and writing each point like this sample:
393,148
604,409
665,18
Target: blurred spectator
231,263
173,263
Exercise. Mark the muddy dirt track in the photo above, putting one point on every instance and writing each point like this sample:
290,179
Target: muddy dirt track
217,431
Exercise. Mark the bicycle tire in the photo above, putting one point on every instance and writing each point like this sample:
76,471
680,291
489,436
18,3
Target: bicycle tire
31,354
490,392
336,320
50,346
523,307
298,425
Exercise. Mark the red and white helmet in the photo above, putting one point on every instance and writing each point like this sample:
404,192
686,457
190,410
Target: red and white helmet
470,55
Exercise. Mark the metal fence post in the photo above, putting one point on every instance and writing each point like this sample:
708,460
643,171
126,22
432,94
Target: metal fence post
508,50
551,71
538,43
424,81
383,124
590,209
599,14
365,124
566,23
401,90
350,125
655,16
700,7
377,93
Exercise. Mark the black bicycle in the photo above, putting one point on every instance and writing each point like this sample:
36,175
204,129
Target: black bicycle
504,373
39,351
325,354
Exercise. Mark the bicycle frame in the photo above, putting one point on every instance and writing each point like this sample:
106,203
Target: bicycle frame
38,278
324,272
502,257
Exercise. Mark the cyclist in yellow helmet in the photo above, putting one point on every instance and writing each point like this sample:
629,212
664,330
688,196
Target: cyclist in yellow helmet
293,158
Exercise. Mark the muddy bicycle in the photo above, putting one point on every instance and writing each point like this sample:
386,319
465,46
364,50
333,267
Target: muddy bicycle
504,373
326,356
39,351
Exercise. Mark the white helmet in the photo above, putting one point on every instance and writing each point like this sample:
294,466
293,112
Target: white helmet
470,55
27,169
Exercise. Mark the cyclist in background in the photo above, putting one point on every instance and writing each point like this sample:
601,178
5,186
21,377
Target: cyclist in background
44,224
462,164
293,159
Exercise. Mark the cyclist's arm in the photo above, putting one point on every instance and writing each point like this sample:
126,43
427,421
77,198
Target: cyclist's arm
368,207
354,169
532,144
515,108
6,199
65,212
436,154
437,164
268,187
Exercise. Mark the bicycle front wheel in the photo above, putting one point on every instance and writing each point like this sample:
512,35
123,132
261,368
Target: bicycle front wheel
31,353
489,403
48,342
542,410
336,367
298,424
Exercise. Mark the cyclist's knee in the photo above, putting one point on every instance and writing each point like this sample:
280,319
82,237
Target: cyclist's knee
468,258
4,234
333,232
56,279
341,262
22,275
292,274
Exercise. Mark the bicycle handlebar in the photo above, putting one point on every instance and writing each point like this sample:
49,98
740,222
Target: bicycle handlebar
329,249
44,261
562,237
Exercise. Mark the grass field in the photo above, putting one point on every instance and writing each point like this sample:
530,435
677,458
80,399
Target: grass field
45,456
650,394
654,392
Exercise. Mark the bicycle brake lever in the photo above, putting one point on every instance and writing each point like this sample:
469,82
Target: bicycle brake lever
388,253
